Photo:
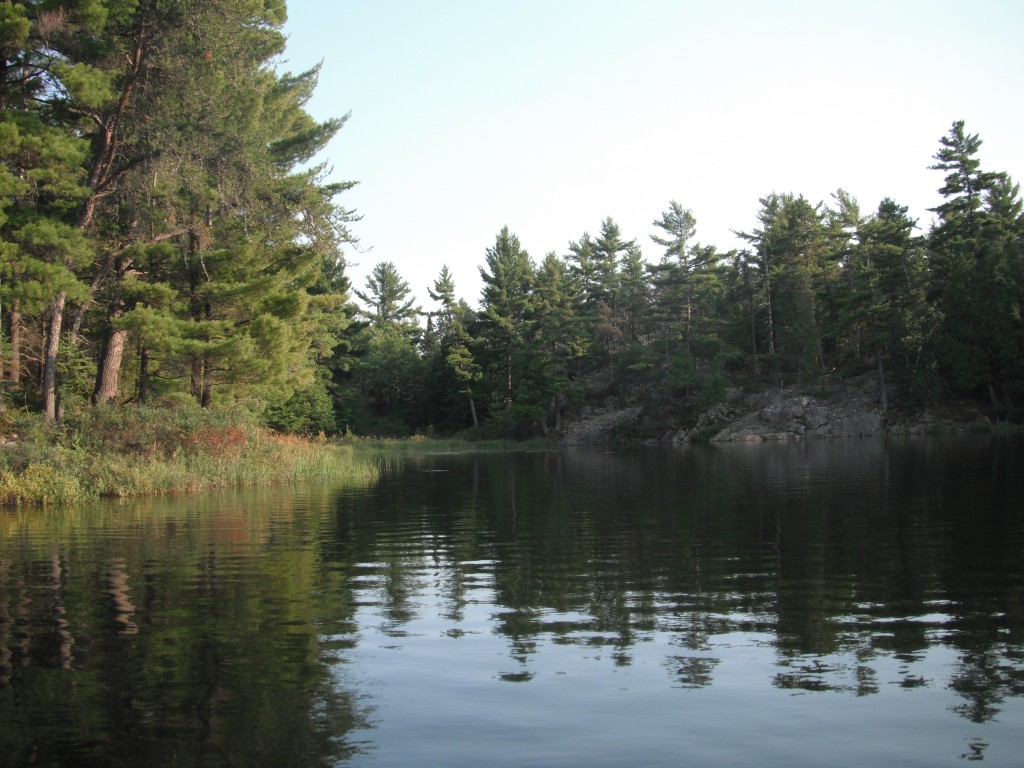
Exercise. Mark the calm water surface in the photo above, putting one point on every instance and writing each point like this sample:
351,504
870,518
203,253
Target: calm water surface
834,603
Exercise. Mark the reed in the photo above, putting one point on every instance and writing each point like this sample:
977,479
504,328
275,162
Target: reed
126,452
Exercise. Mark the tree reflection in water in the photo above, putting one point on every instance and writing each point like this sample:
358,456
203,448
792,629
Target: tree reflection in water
248,629
165,640
849,554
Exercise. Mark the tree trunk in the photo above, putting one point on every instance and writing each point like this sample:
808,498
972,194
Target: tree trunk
753,334
881,380
104,171
689,316
472,411
993,398
108,369
50,357
13,370
201,387
206,395
195,387
768,305
508,377
108,375
143,375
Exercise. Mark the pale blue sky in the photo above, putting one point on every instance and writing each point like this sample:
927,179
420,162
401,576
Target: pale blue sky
550,116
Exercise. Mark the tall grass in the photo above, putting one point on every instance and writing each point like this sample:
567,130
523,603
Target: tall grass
138,451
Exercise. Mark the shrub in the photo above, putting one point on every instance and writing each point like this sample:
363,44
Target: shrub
40,484
307,412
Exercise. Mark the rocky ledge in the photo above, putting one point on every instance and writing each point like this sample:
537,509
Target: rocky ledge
598,426
782,414
838,411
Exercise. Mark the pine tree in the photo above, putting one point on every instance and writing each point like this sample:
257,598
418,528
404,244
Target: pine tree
975,255
791,249
877,297
635,295
745,303
685,283
609,250
507,307
254,229
674,276
966,185
560,335
388,369
583,266
49,80
42,249
456,369
388,302
607,325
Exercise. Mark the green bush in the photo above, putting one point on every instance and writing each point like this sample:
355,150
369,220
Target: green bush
41,484
307,412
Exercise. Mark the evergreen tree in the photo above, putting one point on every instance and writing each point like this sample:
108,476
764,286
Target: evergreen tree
506,314
966,186
443,292
879,305
51,82
387,378
635,295
455,370
93,62
583,267
975,255
168,194
42,250
675,275
388,302
560,334
791,249
388,369
609,249
744,305
605,312
684,280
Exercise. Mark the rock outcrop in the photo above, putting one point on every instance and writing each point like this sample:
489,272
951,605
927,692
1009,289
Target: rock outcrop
828,410
783,415
598,426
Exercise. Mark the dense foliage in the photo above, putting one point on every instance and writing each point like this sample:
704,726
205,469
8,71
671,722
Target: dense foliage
165,237
822,290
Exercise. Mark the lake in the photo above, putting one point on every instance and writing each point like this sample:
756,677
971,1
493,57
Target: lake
828,603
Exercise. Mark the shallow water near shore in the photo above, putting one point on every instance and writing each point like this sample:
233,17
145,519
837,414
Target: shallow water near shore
826,603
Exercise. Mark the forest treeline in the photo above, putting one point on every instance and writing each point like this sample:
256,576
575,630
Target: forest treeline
167,237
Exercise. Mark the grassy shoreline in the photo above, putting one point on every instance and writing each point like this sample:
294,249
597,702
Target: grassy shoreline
134,452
